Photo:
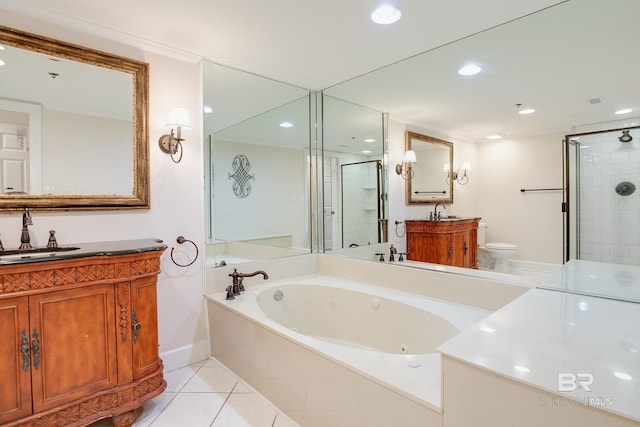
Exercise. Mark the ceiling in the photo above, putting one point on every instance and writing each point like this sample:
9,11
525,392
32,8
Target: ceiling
554,56
311,44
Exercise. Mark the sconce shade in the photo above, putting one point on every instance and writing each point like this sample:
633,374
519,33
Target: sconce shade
404,169
179,117
409,157
466,166
446,168
172,143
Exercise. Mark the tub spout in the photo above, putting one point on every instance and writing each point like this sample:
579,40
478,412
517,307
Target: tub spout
237,286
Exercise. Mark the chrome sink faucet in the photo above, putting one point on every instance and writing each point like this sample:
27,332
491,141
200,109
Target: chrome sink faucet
25,239
435,215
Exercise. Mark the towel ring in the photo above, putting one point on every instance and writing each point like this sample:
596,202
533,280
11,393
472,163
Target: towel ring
180,241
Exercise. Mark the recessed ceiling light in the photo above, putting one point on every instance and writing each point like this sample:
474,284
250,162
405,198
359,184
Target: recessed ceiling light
366,151
385,14
1,47
286,125
369,140
469,70
624,111
1,62
522,369
526,111
495,136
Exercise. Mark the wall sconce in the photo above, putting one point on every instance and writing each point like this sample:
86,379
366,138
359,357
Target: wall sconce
404,169
460,175
169,143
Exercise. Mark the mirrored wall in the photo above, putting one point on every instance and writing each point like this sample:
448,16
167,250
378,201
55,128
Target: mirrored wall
546,60
257,152
278,183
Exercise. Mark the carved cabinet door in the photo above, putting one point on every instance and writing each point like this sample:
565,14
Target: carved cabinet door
145,326
15,367
73,339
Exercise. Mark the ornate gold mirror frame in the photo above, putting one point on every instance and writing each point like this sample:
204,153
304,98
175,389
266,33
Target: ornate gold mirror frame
431,180
139,199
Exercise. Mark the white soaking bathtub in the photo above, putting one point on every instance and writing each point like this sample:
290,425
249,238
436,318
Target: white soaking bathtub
384,336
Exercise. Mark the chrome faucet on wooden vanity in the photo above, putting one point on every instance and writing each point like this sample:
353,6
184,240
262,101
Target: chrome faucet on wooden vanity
25,239
435,215
237,285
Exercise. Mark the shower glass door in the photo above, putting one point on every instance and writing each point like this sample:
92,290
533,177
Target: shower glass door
602,171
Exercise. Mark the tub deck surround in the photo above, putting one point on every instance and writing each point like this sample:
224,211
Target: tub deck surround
543,334
600,279
486,290
416,376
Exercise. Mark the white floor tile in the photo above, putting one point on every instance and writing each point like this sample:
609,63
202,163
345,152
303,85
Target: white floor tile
191,410
178,378
151,409
210,379
207,394
246,410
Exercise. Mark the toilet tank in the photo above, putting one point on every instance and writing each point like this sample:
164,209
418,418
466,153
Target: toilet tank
482,233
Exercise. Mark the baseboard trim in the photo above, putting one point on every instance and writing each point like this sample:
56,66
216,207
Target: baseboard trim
184,356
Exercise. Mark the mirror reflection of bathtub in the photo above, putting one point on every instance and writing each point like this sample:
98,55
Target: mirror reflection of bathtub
222,253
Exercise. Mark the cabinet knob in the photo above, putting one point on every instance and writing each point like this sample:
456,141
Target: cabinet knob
466,248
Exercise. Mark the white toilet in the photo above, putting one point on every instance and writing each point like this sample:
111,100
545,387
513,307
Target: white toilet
499,253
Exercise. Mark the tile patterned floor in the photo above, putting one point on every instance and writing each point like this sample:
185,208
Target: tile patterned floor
207,394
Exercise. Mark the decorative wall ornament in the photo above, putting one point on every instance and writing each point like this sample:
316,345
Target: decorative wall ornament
241,167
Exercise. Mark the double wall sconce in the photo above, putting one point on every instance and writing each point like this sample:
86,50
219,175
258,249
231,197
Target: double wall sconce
404,169
459,175
170,143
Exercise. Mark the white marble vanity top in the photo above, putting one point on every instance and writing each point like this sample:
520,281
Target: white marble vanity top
545,333
598,279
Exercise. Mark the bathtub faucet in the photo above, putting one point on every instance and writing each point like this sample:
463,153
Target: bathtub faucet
237,286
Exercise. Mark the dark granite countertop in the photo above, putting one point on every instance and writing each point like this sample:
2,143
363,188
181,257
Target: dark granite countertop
444,219
80,250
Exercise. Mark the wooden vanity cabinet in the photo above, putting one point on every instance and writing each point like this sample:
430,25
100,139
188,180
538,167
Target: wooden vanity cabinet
443,242
79,340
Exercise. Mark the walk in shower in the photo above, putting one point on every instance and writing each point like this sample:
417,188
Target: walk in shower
602,203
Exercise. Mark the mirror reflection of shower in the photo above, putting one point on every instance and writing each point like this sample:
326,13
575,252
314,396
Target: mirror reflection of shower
603,169
354,187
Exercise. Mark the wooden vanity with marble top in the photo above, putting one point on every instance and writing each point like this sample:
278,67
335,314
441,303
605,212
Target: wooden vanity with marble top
79,337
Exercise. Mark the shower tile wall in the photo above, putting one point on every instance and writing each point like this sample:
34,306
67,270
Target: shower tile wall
609,223
360,195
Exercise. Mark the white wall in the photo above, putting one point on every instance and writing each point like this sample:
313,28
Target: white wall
176,193
276,203
531,220
499,169
67,136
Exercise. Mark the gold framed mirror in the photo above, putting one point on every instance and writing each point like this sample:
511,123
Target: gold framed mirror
75,123
430,180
